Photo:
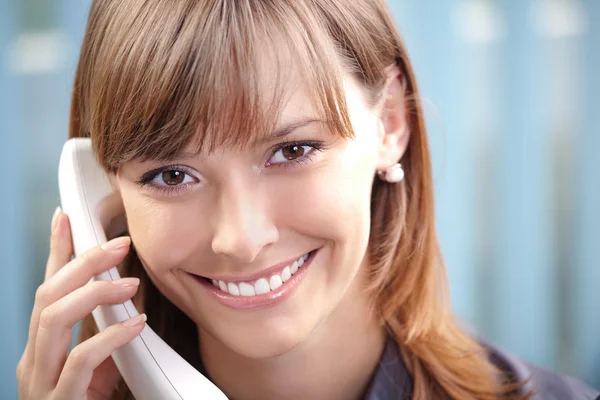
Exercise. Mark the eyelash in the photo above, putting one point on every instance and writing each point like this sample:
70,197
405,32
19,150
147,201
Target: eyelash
148,177
315,146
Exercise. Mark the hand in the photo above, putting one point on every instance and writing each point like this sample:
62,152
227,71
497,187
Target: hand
47,370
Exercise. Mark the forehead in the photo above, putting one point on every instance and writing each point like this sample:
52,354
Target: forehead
224,86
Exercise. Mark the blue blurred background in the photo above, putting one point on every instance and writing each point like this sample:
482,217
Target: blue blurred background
511,90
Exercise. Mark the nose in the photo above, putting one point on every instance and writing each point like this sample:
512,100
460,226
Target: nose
242,224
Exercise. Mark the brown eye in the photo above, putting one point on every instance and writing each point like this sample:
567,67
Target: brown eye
292,152
173,177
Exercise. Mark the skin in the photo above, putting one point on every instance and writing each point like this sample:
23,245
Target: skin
238,215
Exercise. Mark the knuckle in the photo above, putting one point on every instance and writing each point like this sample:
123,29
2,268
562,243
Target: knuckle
109,288
85,258
99,290
101,286
111,334
48,318
104,336
108,337
96,292
79,359
89,260
41,294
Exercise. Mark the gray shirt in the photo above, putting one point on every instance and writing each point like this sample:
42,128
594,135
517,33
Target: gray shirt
391,380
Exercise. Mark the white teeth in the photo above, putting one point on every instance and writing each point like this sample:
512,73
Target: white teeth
275,282
223,286
246,289
261,286
233,289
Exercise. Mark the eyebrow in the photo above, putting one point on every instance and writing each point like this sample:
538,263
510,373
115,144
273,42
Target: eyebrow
279,133
286,129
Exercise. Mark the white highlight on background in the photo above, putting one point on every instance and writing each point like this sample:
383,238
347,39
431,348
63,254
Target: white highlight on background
36,53
479,22
560,18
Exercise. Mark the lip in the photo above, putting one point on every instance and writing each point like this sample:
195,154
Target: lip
269,299
267,272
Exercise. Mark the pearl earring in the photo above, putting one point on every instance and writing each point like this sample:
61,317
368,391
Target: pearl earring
393,174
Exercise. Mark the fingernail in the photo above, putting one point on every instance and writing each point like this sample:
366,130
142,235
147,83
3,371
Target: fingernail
117,244
54,219
127,282
140,319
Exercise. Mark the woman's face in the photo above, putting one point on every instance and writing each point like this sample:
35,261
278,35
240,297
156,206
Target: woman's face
245,218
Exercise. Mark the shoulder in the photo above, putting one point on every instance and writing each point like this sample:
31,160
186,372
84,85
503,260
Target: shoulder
547,385
552,385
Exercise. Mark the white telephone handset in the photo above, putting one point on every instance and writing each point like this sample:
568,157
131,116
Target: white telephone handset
151,369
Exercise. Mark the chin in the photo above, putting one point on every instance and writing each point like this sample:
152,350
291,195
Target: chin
261,342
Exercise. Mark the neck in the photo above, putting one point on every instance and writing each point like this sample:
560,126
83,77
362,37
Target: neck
336,361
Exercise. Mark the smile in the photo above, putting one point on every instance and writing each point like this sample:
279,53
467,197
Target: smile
262,291
262,285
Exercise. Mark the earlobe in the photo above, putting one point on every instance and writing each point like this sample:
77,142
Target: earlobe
394,121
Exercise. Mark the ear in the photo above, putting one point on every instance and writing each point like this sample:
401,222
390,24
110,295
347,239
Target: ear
393,122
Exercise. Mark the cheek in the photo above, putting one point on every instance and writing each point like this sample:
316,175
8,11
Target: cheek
332,201
165,234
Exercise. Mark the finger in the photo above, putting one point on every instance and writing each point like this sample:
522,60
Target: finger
61,244
87,356
57,321
61,250
75,274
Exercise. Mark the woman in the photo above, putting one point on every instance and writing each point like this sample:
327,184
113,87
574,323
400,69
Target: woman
274,167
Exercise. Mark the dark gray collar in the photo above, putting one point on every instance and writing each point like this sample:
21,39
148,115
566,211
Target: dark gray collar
391,379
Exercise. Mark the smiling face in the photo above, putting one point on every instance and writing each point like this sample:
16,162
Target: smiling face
242,217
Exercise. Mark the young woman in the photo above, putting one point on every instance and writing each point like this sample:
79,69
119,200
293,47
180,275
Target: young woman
273,163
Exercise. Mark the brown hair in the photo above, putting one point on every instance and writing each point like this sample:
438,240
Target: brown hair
154,73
